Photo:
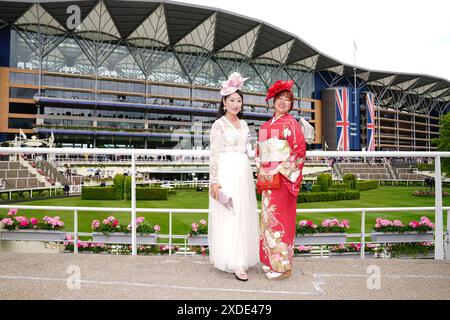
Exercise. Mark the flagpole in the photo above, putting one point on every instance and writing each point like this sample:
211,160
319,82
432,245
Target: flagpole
354,77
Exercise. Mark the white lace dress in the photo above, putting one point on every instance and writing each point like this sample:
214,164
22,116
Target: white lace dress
233,236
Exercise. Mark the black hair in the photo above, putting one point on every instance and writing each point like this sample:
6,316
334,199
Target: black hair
221,111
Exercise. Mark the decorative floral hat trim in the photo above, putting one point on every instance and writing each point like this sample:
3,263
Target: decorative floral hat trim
277,87
234,83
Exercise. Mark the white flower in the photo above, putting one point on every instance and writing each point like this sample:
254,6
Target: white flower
276,235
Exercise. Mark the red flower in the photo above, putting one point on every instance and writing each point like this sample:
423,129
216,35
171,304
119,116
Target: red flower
277,87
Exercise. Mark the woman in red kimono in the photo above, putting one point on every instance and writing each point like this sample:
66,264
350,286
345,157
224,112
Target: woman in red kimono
280,156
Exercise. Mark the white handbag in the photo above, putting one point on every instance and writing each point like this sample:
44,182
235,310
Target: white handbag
307,130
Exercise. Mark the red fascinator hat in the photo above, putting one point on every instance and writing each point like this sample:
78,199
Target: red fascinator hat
277,87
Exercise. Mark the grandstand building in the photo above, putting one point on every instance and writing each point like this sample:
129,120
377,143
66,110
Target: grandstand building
146,74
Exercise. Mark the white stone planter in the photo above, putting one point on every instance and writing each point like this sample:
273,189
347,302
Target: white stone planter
124,238
320,238
198,240
33,235
385,237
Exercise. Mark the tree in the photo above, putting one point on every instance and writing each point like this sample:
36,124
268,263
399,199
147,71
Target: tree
443,142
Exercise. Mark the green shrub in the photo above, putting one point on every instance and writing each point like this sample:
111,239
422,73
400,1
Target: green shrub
151,194
328,196
351,179
127,188
367,185
35,194
15,196
118,182
59,192
324,181
25,194
4,196
98,193
45,193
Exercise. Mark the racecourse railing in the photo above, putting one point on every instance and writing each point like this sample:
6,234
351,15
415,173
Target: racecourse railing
170,212
134,153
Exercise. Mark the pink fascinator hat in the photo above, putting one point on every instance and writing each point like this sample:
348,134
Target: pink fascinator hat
234,83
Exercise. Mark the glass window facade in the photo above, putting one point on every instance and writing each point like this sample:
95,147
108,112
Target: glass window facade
21,123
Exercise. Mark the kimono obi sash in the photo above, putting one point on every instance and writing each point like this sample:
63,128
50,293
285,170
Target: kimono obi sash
274,150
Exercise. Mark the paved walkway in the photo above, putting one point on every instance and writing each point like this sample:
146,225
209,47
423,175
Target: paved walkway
55,276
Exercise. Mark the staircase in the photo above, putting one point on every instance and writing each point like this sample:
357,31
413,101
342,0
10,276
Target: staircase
50,171
391,171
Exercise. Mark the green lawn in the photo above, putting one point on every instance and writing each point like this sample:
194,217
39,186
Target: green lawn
382,197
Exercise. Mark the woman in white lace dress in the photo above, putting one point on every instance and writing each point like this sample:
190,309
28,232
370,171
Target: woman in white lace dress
233,233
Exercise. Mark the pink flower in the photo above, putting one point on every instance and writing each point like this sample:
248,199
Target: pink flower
12,212
69,238
398,223
326,223
194,227
111,218
7,221
115,223
346,224
24,223
203,222
95,224
414,224
106,221
129,227
157,228
34,221
140,220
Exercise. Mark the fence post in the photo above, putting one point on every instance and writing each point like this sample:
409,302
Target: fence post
75,231
447,244
170,233
363,234
439,226
133,205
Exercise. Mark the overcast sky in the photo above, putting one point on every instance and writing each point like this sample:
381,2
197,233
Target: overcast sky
411,36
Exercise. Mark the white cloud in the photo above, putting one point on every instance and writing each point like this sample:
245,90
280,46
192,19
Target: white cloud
411,36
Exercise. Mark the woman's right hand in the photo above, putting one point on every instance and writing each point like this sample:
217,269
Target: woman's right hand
214,190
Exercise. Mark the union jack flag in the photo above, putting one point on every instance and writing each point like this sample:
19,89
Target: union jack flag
342,119
370,111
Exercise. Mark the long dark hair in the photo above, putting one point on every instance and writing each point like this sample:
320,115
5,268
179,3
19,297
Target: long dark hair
222,105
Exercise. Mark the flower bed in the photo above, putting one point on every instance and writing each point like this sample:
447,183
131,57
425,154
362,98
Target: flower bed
23,228
198,236
396,231
426,193
111,231
330,231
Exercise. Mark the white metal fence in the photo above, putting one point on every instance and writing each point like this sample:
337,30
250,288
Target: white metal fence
134,153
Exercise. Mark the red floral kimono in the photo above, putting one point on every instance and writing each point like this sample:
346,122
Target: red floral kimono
281,148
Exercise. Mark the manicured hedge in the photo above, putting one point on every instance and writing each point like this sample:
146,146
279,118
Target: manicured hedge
118,182
127,188
351,179
328,196
341,186
98,193
151,194
367,185
325,181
